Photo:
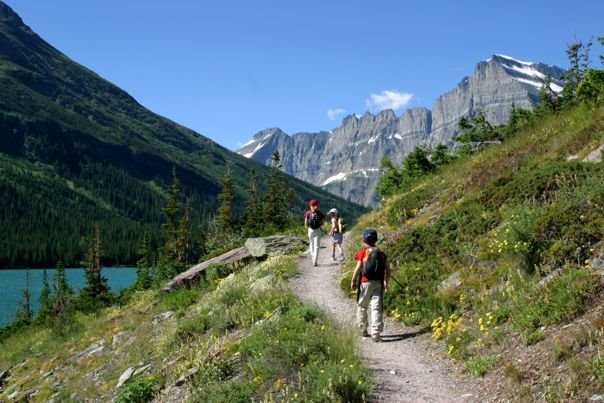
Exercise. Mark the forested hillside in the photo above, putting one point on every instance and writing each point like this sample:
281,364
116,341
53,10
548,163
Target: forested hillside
76,150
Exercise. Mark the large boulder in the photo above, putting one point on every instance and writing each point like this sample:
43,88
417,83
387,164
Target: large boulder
274,245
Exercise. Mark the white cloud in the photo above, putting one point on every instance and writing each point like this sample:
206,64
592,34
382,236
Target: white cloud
388,99
335,113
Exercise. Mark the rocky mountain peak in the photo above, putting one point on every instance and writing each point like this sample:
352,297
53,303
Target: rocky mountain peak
346,161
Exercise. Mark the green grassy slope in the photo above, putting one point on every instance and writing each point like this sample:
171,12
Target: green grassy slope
516,229
236,338
91,153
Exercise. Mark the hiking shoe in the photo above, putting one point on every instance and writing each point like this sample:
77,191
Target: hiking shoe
315,264
376,338
364,333
334,258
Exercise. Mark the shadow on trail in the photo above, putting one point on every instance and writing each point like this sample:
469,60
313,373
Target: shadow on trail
389,338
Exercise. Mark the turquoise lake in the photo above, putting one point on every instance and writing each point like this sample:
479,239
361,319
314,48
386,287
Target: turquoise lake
12,282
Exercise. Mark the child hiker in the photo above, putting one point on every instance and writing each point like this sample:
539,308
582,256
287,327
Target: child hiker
371,276
335,234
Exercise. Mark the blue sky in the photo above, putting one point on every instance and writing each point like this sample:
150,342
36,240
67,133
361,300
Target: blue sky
231,68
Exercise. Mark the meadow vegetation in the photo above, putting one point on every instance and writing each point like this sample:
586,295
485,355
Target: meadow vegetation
493,250
241,330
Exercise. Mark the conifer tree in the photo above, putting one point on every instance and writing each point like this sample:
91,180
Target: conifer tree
144,264
183,236
440,155
390,178
168,257
24,312
45,299
252,213
61,300
95,293
417,163
224,217
272,204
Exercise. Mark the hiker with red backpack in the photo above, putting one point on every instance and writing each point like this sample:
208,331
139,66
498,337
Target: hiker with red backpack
370,277
313,220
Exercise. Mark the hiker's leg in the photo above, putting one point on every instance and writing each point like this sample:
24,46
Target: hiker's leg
315,239
377,317
362,305
311,244
333,250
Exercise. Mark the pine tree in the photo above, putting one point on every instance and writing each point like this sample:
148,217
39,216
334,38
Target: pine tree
417,163
95,293
272,203
169,251
440,155
183,237
252,213
224,217
144,264
24,312
45,310
390,178
61,300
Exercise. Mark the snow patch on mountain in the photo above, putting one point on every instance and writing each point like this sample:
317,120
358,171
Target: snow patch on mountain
258,147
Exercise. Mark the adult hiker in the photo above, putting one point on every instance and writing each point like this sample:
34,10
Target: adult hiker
335,233
371,276
313,219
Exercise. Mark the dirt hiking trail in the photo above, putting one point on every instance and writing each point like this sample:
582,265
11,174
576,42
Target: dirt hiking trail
404,370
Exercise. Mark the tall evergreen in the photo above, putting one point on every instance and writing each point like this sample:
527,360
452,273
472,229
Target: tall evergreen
45,299
272,201
168,257
24,311
252,213
95,293
184,245
417,163
549,100
224,217
61,300
144,264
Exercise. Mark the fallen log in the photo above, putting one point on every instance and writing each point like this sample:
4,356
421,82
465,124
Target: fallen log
188,277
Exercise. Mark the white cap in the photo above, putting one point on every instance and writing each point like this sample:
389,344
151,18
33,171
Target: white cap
333,210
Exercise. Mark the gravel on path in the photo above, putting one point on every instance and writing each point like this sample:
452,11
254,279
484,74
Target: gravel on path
404,369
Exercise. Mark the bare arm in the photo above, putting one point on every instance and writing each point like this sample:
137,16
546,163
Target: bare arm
356,275
387,276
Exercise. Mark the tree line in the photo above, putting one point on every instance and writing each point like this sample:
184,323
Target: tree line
180,245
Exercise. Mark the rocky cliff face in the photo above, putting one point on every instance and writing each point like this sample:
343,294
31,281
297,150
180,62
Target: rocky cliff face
346,160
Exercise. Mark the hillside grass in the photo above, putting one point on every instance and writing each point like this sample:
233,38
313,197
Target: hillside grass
244,334
518,225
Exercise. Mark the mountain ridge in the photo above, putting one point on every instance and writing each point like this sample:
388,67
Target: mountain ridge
346,159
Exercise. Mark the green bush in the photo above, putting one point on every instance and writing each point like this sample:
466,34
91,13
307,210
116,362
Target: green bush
179,299
562,299
479,366
137,390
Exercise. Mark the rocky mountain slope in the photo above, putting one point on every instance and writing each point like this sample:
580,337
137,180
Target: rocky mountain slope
346,160
75,150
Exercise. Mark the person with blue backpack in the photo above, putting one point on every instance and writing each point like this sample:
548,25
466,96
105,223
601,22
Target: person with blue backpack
370,277
313,220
